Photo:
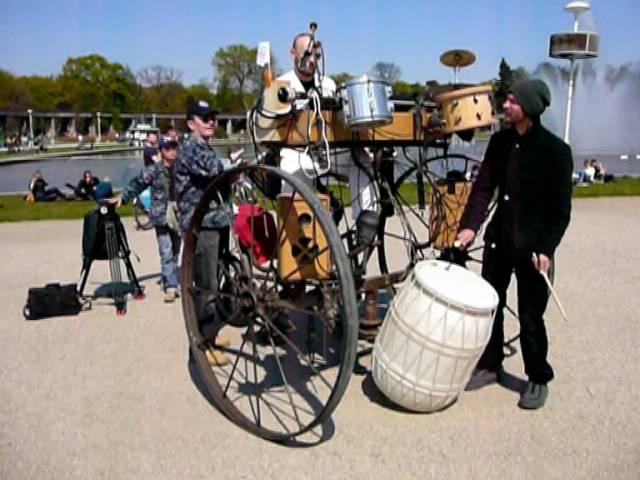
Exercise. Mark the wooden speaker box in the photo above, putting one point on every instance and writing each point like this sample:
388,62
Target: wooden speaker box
303,251
446,208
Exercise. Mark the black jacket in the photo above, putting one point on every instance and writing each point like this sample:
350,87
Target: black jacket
534,191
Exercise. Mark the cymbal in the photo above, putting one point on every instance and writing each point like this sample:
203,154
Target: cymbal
457,58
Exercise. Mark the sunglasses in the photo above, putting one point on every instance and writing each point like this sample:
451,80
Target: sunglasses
208,118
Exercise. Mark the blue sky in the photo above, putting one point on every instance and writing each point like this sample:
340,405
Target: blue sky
38,36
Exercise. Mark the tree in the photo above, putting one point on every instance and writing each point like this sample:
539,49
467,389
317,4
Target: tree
341,77
506,77
405,89
158,75
236,69
503,83
45,92
91,83
198,92
13,94
387,71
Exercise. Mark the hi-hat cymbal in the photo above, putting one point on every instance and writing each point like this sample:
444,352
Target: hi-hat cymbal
457,58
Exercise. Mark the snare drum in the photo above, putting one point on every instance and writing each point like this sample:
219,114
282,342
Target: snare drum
366,102
467,109
433,335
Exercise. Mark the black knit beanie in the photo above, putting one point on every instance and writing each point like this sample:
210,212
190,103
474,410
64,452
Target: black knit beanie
533,95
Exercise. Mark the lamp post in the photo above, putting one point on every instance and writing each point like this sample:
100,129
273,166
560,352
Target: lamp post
30,113
574,46
99,139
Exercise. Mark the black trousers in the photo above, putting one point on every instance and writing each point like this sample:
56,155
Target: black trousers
211,247
498,265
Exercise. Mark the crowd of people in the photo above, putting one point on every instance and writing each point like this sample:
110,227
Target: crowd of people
89,187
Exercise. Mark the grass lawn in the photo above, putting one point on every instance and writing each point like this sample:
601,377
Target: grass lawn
621,187
13,208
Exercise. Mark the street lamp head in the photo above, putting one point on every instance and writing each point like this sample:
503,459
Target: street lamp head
577,7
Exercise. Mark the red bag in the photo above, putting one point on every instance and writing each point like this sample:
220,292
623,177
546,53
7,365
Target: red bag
264,230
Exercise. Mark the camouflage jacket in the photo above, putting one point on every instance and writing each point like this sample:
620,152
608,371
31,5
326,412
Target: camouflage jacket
196,167
160,178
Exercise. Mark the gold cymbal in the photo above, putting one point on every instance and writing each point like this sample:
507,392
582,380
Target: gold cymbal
457,58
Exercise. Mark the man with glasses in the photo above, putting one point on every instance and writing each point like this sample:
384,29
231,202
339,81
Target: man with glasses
197,166
160,177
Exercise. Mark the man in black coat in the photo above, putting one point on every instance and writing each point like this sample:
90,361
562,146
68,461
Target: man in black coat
531,169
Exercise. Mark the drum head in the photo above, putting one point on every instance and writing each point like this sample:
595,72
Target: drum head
456,285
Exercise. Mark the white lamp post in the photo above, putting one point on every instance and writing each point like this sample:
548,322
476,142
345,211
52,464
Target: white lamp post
574,45
30,113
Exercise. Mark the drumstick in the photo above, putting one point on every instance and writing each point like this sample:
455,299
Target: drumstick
551,289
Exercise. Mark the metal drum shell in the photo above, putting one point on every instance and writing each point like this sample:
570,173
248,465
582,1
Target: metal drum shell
366,102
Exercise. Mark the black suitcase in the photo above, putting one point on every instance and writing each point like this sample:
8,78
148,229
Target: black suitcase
53,300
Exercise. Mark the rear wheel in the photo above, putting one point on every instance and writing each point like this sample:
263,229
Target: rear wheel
275,339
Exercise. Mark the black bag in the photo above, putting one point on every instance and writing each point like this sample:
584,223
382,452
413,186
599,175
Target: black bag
52,300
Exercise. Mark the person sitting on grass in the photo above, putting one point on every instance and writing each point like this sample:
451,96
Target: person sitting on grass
86,188
38,191
588,172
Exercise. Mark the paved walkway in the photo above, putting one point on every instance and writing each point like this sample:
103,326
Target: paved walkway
100,396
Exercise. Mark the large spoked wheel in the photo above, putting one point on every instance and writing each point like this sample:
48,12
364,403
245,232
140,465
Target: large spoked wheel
407,236
274,331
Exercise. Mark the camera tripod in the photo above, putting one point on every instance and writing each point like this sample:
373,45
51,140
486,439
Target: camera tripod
104,238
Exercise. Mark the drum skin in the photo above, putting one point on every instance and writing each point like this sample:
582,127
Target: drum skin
433,335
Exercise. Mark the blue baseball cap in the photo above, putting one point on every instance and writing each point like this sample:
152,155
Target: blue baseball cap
168,142
202,109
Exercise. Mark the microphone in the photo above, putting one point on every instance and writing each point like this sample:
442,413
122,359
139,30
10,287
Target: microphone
288,95
305,61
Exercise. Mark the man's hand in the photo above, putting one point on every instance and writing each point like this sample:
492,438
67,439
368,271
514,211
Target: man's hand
236,157
541,262
464,239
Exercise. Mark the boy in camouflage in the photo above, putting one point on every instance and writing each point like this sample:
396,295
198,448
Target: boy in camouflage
159,176
196,167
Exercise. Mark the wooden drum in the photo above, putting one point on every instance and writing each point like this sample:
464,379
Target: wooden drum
467,109
447,206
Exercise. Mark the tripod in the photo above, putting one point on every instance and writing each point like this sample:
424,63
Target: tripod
104,238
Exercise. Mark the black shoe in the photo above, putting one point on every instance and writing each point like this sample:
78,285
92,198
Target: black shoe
482,378
534,396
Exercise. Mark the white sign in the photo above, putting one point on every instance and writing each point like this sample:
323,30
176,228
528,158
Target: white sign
264,54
